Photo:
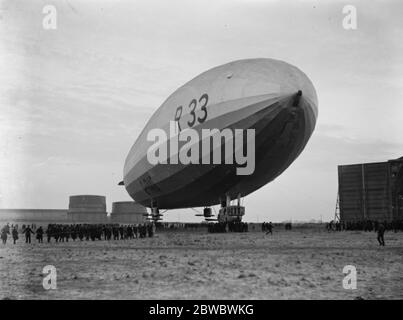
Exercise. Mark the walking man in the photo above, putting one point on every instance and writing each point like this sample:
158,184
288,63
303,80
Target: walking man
4,232
15,234
269,228
381,231
28,232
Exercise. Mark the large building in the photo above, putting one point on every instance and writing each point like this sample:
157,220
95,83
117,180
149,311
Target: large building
128,212
371,191
87,209
82,209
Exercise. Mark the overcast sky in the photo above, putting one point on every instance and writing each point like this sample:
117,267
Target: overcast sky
73,100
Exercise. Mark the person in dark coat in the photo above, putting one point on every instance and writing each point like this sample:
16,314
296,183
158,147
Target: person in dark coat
49,232
381,231
27,233
269,228
39,234
15,234
4,232
150,230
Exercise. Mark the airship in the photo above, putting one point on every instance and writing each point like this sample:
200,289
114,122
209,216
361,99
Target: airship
262,110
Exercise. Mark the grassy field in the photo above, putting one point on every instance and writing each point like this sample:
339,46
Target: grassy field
305,263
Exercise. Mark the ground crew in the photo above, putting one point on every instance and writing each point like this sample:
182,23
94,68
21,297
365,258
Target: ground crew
381,231
28,232
269,227
39,234
4,232
15,234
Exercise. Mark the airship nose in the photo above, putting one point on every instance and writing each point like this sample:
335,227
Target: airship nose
301,117
295,84
302,104
297,98
305,95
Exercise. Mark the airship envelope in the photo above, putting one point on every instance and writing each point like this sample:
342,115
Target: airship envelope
263,112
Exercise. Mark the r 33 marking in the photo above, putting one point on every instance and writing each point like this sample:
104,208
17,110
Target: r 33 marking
203,101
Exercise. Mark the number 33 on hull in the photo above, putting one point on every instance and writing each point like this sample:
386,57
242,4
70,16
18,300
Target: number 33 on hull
254,115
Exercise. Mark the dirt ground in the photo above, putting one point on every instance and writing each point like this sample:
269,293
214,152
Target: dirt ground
298,264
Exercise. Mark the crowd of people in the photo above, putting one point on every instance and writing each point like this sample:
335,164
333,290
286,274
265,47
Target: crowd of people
267,227
367,225
65,232
364,225
233,226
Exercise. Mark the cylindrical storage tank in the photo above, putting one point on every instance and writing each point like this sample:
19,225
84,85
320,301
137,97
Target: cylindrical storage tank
128,212
87,209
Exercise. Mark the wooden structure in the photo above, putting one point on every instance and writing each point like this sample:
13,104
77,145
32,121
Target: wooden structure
371,191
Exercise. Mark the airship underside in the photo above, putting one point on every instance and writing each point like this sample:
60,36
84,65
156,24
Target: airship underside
271,97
